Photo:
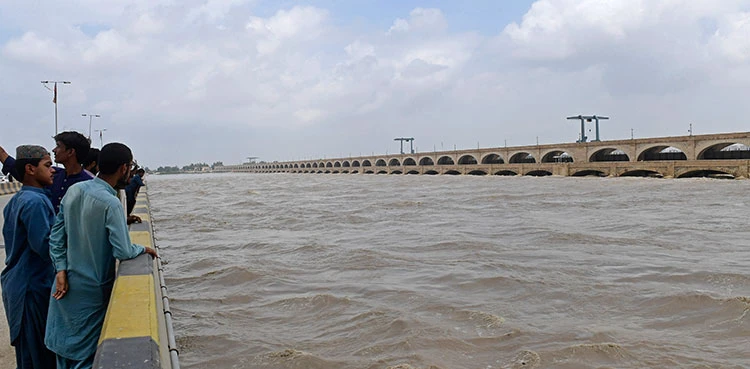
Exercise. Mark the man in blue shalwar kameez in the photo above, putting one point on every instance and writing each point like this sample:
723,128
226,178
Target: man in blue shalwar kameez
89,233
29,274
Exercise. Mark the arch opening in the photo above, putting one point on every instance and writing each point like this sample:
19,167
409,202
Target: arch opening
380,163
725,151
589,173
431,172
346,164
366,163
426,161
445,160
609,154
661,153
412,172
493,159
557,157
538,173
642,173
337,164
409,162
355,164
522,158
467,160
397,172
394,163
477,173
452,173
707,173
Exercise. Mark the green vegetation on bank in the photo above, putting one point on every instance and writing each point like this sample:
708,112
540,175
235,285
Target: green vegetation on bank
190,168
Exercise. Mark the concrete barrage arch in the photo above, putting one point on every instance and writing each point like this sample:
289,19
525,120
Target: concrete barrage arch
409,162
522,158
380,163
661,152
642,173
394,163
609,154
467,160
355,164
557,156
445,160
725,150
346,164
538,173
366,163
493,159
329,165
337,164
707,173
426,161
589,173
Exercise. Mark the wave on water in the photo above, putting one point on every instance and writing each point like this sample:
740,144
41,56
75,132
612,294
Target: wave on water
419,272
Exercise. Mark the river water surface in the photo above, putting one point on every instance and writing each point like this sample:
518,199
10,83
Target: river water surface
387,271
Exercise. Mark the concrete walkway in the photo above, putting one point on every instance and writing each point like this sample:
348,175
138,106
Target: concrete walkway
7,354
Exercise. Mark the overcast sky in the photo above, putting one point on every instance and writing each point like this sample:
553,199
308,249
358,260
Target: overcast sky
183,81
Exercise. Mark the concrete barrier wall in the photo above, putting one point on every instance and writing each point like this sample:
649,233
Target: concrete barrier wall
137,330
10,187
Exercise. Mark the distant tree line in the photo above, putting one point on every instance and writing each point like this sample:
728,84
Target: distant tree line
192,167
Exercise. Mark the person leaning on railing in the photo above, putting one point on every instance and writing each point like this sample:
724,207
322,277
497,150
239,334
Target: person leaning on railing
89,233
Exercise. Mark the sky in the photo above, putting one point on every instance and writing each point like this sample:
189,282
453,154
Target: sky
185,81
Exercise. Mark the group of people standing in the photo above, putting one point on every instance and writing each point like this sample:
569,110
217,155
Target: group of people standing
63,231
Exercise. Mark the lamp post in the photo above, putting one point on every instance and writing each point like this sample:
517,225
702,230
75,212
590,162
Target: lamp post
54,98
91,116
101,140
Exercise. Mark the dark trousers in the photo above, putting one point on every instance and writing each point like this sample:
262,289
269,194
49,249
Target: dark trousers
31,353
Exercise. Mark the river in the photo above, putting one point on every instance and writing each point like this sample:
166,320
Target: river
394,271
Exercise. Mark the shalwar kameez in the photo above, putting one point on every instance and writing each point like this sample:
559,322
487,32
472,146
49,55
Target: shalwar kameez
89,233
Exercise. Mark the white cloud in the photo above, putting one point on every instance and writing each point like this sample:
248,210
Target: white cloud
420,20
213,10
304,72
146,24
33,49
301,23
733,37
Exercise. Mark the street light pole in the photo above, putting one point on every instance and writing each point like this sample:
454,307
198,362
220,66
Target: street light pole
54,98
101,140
91,116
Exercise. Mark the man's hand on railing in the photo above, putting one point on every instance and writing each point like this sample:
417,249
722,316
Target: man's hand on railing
151,251
134,219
